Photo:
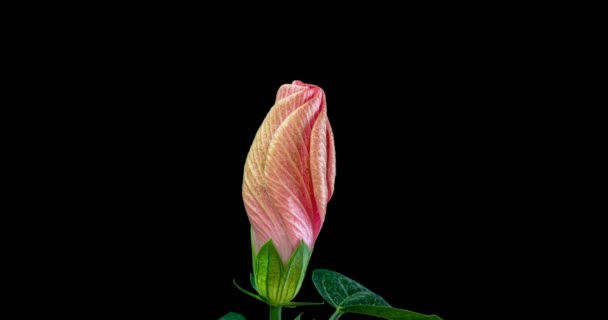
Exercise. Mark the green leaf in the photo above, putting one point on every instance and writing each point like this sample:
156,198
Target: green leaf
388,313
298,317
341,291
303,304
232,316
347,295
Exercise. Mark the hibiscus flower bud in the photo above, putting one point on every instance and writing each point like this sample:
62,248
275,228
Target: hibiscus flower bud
288,180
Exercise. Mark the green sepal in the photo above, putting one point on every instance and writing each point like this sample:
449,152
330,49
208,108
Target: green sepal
251,294
268,269
279,283
295,272
252,281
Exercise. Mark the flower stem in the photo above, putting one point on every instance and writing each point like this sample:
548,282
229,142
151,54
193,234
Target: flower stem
275,312
336,315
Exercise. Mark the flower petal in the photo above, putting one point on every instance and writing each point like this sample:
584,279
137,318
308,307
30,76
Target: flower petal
256,201
288,176
322,166
290,170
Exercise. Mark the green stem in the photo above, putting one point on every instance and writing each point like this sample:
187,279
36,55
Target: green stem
336,315
275,312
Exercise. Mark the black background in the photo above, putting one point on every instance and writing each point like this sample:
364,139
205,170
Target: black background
414,171
161,129
132,125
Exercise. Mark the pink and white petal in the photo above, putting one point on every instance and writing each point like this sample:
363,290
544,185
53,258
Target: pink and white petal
287,90
318,169
260,216
288,177
258,153
331,161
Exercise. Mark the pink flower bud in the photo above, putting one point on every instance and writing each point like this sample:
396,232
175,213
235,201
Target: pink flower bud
290,170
